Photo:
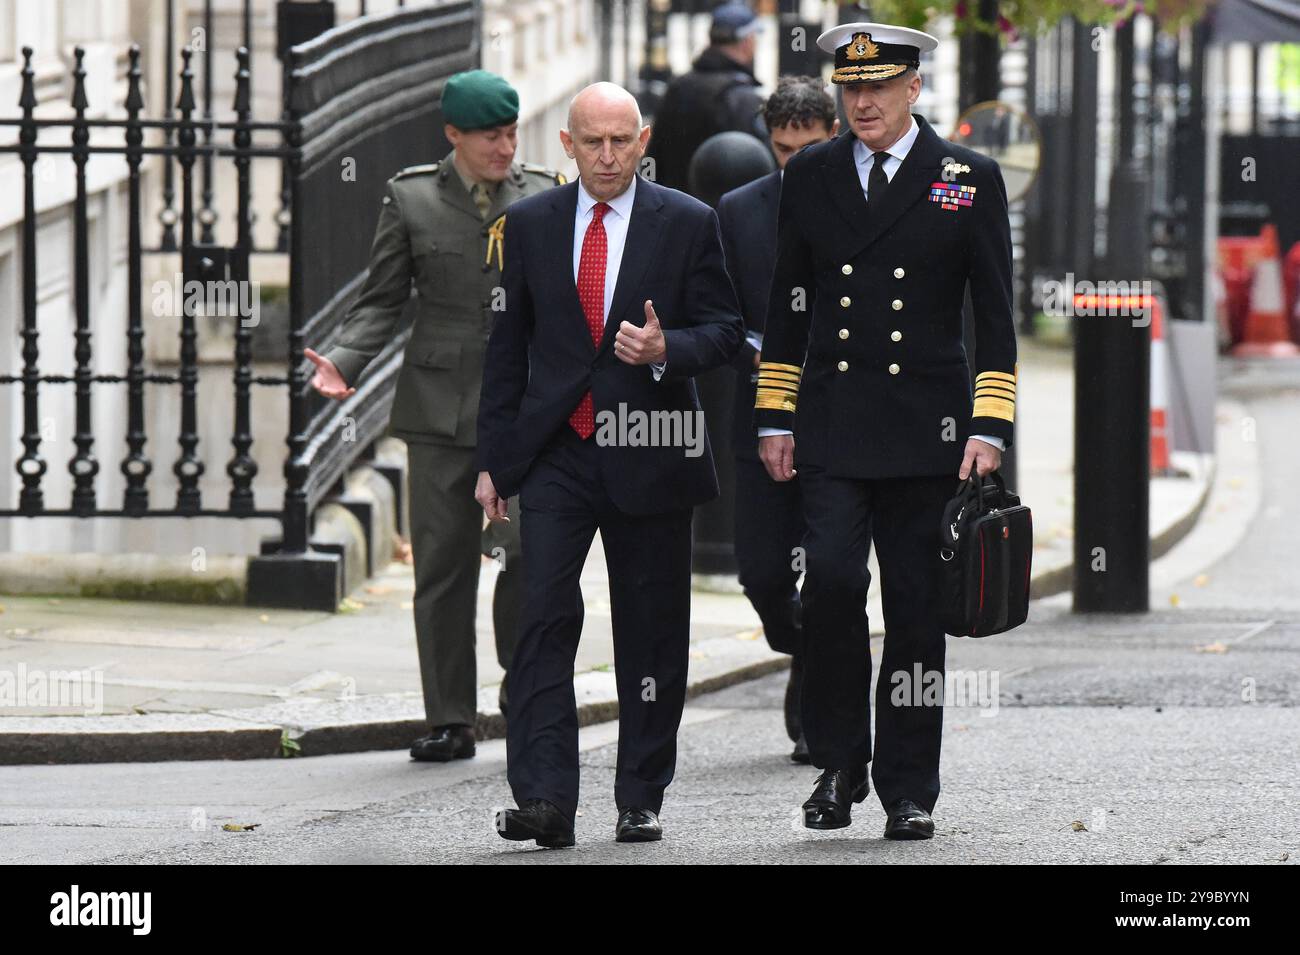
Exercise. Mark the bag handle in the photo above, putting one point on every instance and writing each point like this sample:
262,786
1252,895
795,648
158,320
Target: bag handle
973,487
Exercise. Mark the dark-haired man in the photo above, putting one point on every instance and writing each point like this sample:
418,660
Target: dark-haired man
769,514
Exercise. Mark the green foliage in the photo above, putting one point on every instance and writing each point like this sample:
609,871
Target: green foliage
1017,17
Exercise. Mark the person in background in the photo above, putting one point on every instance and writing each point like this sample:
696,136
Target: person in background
720,93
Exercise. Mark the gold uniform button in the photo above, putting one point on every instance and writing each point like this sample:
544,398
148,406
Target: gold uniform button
893,369
897,303
844,333
843,366
896,336
845,302
899,273
846,269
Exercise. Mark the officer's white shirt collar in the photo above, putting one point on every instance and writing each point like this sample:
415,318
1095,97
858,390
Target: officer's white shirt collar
621,204
895,154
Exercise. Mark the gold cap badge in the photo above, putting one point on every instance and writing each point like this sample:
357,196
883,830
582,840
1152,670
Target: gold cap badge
861,48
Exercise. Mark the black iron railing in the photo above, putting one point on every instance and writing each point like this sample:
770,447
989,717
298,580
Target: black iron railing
367,91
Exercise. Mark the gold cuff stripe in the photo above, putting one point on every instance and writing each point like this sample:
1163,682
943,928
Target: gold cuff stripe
774,402
879,71
995,375
769,373
774,380
991,392
777,366
994,408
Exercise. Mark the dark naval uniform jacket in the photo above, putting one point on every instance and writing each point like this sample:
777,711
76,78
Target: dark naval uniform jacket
431,235
863,356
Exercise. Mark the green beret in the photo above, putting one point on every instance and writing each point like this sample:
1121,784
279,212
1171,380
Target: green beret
477,99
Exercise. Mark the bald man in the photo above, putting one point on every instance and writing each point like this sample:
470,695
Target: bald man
615,298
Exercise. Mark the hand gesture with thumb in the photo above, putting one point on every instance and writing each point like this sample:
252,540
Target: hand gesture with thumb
641,345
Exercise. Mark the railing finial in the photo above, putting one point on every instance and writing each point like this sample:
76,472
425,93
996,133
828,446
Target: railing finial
134,98
27,99
186,101
79,100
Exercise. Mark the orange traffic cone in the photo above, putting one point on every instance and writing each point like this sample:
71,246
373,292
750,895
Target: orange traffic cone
1265,333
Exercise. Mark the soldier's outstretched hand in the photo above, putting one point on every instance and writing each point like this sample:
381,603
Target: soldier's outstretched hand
327,379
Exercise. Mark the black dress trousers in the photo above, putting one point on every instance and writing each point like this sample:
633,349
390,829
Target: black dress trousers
902,517
563,502
768,527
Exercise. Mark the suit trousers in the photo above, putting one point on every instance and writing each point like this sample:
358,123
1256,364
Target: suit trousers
769,525
902,516
447,541
563,503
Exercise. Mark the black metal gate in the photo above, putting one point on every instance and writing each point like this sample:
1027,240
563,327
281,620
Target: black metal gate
365,93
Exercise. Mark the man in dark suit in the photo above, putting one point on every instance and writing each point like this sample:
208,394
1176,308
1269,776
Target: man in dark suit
615,295
881,232
769,514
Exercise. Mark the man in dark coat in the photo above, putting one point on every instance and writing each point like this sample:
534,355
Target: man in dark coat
616,297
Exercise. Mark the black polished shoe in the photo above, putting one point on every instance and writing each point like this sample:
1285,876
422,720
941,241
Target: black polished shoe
907,820
444,743
801,754
831,803
536,819
638,825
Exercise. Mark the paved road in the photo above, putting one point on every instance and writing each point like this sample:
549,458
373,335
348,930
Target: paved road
1171,737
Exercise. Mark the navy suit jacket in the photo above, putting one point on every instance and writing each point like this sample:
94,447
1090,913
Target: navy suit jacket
747,217
541,358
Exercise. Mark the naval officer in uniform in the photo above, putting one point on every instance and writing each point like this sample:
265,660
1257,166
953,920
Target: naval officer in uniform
441,227
880,233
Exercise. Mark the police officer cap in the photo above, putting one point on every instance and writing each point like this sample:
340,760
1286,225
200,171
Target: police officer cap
477,99
870,52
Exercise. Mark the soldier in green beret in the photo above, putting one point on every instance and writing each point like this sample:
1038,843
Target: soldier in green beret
442,226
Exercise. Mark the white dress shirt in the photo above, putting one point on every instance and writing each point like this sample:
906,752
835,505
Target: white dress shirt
894,157
615,222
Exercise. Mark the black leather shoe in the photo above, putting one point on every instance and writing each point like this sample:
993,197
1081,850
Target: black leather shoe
536,819
638,825
793,692
444,743
831,803
800,754
907,820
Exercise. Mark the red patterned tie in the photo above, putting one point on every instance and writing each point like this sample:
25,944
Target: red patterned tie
591,295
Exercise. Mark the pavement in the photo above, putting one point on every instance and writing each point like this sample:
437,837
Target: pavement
164,681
